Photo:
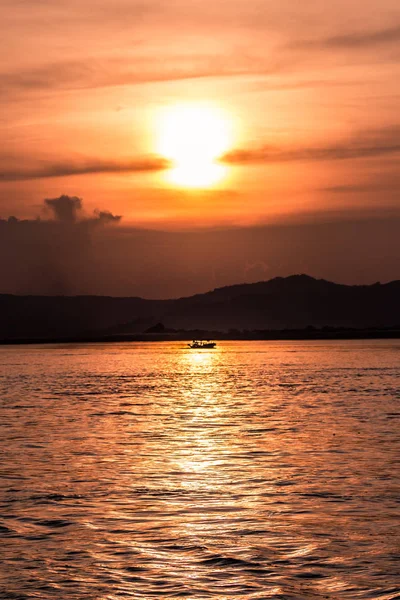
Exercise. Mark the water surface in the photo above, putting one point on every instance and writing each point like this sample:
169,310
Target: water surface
256,470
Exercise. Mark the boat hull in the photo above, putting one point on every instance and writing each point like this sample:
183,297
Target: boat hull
202,345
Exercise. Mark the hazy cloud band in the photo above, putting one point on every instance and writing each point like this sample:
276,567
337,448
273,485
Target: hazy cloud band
365,145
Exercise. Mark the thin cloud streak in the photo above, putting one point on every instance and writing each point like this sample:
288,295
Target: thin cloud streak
370,145
93,167
388,183
355,40
81,75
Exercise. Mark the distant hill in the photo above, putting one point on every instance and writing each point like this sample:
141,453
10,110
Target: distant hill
294,302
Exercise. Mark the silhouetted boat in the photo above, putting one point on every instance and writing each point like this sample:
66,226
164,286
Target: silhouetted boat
199,344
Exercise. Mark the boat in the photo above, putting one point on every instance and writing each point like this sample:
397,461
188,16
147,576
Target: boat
200,344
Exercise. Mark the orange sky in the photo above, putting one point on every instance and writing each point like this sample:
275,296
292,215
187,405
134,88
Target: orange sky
312,90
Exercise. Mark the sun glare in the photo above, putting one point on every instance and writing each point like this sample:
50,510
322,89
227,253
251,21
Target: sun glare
193,138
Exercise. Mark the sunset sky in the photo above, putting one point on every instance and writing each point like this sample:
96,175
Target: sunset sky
297,104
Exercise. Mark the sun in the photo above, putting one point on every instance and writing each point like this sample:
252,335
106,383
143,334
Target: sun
193,137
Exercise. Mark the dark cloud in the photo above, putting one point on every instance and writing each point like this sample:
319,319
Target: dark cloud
68,209
65,208
52,256
88,167
365,145
106,217
88,256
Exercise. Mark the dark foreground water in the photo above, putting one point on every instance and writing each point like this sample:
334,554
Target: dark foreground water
256,470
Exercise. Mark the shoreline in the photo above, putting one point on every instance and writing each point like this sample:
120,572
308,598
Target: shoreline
186,336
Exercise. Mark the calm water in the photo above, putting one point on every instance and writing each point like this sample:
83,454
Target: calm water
257,470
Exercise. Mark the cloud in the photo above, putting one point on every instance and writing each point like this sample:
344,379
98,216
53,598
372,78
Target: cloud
249,38
386,182
370,144
356,40
106,217
65,208
65,169
53,256
107,72
84,257
68,209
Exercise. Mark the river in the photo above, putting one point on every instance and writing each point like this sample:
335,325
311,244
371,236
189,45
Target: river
257,470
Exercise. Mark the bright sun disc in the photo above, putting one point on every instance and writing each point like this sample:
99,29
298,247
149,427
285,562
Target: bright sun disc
193,138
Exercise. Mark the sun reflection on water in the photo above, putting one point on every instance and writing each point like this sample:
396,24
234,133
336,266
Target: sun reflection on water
198,448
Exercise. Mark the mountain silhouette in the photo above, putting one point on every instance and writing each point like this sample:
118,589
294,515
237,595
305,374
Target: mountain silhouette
294,302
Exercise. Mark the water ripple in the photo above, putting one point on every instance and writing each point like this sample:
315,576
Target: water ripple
261,470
